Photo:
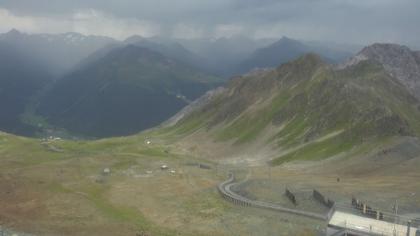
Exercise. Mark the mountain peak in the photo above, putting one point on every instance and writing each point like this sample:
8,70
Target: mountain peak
285,38
279,52
382,49
288,41
13,32
398,60
134,52
301,101
311,57
134,39
311,60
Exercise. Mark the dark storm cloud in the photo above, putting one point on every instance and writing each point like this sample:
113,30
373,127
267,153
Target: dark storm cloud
359,21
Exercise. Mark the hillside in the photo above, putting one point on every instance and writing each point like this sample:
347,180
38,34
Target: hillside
168,48
128,90
21,77
304,109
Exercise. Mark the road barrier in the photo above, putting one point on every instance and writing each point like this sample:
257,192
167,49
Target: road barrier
322,199
291,196
366,210
224,189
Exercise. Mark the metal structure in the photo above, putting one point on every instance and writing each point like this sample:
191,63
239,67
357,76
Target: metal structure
225,190
362,225
291,197
339,222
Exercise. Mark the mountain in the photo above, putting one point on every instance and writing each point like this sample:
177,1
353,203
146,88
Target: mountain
168,48
287,49
305,109
221,56
56,52
399,61
128,90
333,52
21,77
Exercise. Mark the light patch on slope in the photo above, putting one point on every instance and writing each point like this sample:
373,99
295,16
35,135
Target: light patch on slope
351,62
320,139
256,153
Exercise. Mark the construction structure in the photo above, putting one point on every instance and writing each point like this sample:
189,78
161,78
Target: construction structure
357,219
343,223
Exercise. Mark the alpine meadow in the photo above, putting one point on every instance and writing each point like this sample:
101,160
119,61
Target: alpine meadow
210,117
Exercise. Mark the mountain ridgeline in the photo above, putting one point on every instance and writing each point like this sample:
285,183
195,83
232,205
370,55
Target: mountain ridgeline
99,87
306,109
399,61
128,90
57,53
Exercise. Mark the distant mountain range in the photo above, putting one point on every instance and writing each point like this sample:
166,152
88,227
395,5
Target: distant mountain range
58,53
228,57
157,79
308,109
223,57
101,87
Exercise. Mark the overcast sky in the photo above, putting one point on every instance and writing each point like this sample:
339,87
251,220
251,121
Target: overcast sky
351,21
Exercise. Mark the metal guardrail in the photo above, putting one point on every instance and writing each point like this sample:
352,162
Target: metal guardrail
224,189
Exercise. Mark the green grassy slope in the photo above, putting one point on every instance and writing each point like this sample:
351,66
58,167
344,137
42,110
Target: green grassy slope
58,187
60,172
313,110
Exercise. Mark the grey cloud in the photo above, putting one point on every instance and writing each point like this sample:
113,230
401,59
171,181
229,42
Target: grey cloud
358,21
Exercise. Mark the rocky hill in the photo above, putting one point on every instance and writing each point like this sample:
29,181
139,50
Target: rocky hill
399,61
305,109
287,49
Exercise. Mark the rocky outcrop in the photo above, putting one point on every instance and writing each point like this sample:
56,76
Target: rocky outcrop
200,102
399,61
